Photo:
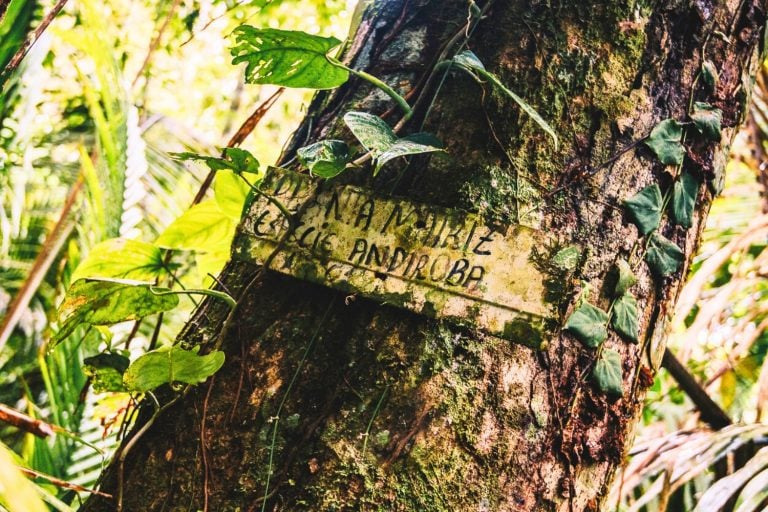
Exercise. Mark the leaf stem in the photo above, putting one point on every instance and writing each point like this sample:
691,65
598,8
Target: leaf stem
378,83
194,291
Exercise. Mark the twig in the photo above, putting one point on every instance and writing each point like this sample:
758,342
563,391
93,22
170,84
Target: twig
156,41
24,422
206,468
62,483
24,49
711,413
53,244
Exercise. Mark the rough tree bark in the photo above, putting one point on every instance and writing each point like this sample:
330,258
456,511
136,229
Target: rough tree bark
356,405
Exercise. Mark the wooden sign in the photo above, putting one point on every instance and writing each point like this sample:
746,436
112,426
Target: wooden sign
440,262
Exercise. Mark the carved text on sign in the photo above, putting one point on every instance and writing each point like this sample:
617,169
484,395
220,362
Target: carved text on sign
441,262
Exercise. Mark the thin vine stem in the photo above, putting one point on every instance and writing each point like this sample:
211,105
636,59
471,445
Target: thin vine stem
377,83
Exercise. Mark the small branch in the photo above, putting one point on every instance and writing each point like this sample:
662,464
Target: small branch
62,483
156,41
24,49
711,413
25,423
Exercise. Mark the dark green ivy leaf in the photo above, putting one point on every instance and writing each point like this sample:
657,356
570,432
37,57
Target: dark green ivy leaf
684,199
100,302
327,158
168,365
287,58
707,120
665,140
625,277
663,256
645,208
624,318
709,74
607,372
588,324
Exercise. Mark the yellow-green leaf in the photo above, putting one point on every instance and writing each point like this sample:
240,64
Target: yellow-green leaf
168,365
204,227
121,258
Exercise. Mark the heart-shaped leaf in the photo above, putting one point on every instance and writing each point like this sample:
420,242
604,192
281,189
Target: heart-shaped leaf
100,302
327,158
663,256
684,199
607,373
204,227
567,258
645,208
624,317
377,137
588,324
287,58
121,258
106,371
168,365
707,120
625,278
665,140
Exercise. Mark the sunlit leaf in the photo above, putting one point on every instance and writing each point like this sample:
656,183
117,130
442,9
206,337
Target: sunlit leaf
234,159
204,227
327,158
287,58
607,373
663,256
644,208
588,324
107,302
567,258
684,199
121,258
625,278
168,365
707,120
665,140
17,493
624,317
230,191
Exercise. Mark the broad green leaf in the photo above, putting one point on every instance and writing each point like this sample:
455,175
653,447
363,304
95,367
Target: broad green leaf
645,209
588,324
625,278
327,158
707,120
373,133
377,137
607,372
665,140
663,256
106,371
684,199
234,159
230,191
624,317
408,145
204,227
468,61
287,58
17,493
168,365
567,258
122,258
100,302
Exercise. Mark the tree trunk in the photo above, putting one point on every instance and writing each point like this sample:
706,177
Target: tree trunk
336,402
